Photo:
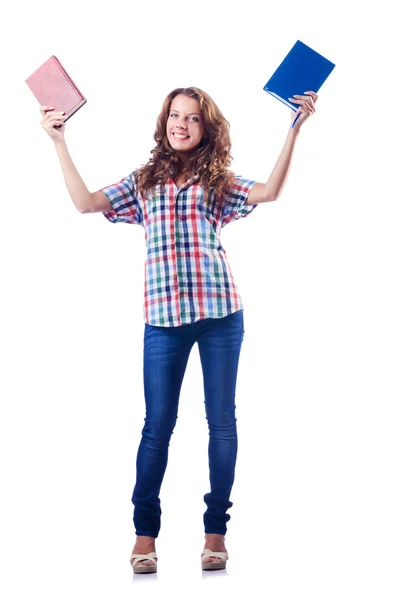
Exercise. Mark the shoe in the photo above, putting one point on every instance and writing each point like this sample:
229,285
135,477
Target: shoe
214,565
137,558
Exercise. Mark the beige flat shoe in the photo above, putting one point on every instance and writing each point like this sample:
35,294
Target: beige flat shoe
214,565
136,558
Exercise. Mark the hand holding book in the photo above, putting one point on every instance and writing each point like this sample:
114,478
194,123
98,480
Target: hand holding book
55,91
306,107
302,69
53,122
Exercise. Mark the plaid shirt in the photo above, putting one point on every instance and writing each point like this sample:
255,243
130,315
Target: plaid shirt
187,274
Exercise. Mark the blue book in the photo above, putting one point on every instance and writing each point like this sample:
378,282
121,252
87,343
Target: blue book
302,70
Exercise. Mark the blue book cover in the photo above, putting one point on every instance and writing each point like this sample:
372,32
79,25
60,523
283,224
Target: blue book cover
302,70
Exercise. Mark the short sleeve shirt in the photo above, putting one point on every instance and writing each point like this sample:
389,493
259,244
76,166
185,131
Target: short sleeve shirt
187,273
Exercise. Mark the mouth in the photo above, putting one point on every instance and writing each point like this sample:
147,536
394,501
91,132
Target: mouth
181,136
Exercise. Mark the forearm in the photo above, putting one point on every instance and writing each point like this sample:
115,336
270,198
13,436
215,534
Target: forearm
74,183
278,176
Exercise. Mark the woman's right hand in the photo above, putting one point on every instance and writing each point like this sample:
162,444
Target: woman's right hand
50,119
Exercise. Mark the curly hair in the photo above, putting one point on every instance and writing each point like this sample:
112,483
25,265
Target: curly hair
209,160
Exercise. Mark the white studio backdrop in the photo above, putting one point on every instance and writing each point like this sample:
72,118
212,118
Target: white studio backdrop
315,491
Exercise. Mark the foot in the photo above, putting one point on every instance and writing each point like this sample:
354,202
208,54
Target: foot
144,545
215,543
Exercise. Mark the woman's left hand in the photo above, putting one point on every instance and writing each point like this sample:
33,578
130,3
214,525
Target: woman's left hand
306,107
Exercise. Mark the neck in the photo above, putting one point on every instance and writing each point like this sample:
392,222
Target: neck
182,167
182,162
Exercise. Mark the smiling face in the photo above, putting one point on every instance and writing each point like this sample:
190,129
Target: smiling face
185,124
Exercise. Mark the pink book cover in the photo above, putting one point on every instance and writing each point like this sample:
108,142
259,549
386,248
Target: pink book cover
53,86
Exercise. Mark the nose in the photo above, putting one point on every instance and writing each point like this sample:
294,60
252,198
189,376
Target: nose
180,122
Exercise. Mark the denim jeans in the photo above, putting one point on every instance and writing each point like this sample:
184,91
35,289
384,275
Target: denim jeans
166,352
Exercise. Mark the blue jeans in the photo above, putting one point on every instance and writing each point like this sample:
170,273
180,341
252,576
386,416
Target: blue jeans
166,352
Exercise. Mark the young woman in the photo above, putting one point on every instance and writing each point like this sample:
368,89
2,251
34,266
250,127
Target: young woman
182,197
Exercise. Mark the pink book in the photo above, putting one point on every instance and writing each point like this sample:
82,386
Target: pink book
53,86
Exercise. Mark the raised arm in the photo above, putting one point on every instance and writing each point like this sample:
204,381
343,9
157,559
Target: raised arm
271,190
84,200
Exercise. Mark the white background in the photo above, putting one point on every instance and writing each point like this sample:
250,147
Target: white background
315,492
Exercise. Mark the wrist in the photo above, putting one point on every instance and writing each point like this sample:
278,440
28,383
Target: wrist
293,133
60,142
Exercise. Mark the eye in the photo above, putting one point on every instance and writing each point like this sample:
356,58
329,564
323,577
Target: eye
195,119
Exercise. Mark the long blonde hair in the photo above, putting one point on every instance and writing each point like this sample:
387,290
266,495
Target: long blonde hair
209,160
